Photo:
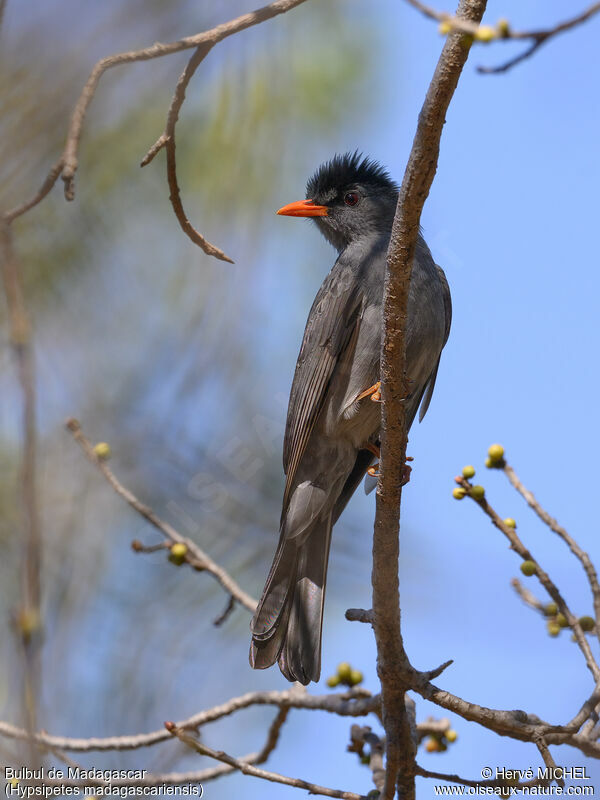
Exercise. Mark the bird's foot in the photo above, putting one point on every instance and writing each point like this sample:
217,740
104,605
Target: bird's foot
374,470
374,392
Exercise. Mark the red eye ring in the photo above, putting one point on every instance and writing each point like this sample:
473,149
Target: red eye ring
351,198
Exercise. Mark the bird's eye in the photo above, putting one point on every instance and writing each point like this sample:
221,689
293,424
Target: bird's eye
351,198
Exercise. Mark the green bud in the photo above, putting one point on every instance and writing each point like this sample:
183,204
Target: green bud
356,677
468,471
503,28
477,492
344,671
551,610
485,33
528,568
553,628
459,493
102,451
587,623
451,735
562,621
333,681
496,452
510,523
177,553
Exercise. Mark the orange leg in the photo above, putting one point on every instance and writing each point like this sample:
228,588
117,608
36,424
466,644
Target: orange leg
372,448
373,391
374,470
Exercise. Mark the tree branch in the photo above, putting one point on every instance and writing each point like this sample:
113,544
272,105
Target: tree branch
580,554
355,703
418,177
249,769
503,30
68,163
28,616
194,556
548,584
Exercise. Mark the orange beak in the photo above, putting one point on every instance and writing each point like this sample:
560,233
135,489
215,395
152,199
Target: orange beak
303,208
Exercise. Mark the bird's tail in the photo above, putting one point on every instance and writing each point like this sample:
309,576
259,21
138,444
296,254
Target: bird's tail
289,618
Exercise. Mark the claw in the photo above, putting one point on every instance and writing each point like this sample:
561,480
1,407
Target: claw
373,471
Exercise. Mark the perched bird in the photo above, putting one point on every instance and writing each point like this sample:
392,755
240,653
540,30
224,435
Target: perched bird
332,430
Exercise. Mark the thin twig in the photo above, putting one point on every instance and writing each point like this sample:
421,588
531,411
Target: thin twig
257,772
68,163
548,520
28,616
503,31
548,584
225,613
169,145
528,597
44,189
418,177
355,703
548,760
359,615
361,735
195,556
432,727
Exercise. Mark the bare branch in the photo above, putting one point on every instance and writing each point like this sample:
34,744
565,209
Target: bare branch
547,757
418,177
548,584
169,144
580,554
503,31
527,597
44,189
225,613
361,736
67,165
28,615
359,615
354,703
195,556
249,769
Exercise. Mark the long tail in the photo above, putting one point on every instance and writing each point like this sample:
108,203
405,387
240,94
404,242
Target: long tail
288,621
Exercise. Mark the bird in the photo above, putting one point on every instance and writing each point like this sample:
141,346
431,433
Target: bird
334,419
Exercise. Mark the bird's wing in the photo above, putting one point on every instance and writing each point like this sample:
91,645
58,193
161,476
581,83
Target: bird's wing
447,302
428,391
331,327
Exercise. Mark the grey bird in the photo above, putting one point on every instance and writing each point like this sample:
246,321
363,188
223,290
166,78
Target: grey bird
333,425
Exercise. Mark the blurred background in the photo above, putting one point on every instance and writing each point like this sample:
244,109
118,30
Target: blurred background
183,364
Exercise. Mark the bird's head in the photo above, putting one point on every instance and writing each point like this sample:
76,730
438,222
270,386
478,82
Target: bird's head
349,197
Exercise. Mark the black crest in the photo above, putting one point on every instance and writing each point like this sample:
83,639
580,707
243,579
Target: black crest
346,170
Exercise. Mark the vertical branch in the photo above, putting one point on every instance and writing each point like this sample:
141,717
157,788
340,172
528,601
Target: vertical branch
418,177
28,615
